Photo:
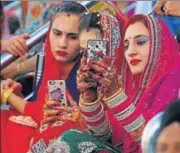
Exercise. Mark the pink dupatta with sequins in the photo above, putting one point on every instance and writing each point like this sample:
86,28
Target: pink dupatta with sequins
157,86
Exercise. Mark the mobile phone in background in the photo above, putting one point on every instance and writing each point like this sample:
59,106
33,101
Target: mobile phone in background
94,47
56,91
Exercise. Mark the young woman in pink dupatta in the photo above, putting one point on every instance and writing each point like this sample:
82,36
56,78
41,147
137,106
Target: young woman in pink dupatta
148,82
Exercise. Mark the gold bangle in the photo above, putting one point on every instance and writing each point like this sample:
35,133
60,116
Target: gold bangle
20,66
88,103
6,95
114,95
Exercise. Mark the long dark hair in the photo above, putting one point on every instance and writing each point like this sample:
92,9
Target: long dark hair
171,114
73,8
90,20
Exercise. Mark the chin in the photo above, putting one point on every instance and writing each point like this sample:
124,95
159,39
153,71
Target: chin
61,59
136,72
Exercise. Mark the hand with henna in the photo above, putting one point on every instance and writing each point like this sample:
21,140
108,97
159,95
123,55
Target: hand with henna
106,75
54,111
86,84
97,78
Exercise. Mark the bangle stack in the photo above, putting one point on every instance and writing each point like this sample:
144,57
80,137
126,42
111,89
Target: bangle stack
95,117
89,103
6,95
116,99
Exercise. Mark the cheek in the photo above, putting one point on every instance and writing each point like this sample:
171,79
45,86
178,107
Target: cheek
126,56
145,54
52,42
75,48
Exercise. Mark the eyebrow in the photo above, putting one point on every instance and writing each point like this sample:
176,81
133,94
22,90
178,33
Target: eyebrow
135,37
68,33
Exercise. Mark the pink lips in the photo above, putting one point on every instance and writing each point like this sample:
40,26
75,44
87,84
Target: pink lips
62,53
134,61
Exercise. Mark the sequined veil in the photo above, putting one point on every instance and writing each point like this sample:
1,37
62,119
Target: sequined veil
158,84
164,54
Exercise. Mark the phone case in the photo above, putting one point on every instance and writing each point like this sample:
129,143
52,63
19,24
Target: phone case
95,46
56,91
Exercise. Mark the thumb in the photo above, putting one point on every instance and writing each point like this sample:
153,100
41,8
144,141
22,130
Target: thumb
25,35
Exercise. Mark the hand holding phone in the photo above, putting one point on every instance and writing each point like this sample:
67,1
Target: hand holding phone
96,47
56,91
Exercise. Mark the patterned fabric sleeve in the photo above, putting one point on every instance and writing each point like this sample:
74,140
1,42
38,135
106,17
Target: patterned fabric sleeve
134,117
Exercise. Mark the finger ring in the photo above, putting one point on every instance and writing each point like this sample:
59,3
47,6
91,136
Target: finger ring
109,69
106,74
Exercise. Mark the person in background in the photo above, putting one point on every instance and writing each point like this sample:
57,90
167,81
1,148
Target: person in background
15,45
169,11
168,139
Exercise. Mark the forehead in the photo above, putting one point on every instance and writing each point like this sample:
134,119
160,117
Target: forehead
173,130
91,33
85,35
135,29
66,23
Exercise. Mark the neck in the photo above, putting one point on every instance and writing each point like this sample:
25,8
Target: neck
66,69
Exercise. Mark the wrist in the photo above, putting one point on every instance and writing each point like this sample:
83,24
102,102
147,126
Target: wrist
89,97
88,103
5,96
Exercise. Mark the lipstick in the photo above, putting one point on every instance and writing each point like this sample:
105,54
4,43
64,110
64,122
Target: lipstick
62,53
134,61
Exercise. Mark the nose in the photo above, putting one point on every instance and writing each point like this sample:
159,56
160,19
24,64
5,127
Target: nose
63,42
132,50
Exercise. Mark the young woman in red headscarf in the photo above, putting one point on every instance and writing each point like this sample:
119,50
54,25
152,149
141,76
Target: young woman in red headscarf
41,120
148,82
96,26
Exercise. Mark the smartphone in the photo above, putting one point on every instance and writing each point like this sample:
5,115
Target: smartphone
56,91
95,46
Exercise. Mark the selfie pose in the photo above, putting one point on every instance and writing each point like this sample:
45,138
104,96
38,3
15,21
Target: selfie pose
30,122
147,84
100,40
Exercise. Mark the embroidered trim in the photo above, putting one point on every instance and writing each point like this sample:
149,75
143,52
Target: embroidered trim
23,120
39,147
58,123
58,146
86,147
43,127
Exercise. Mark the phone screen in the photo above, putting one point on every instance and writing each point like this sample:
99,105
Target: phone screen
95,47
56,91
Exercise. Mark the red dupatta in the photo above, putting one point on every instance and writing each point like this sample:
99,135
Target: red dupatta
52,69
